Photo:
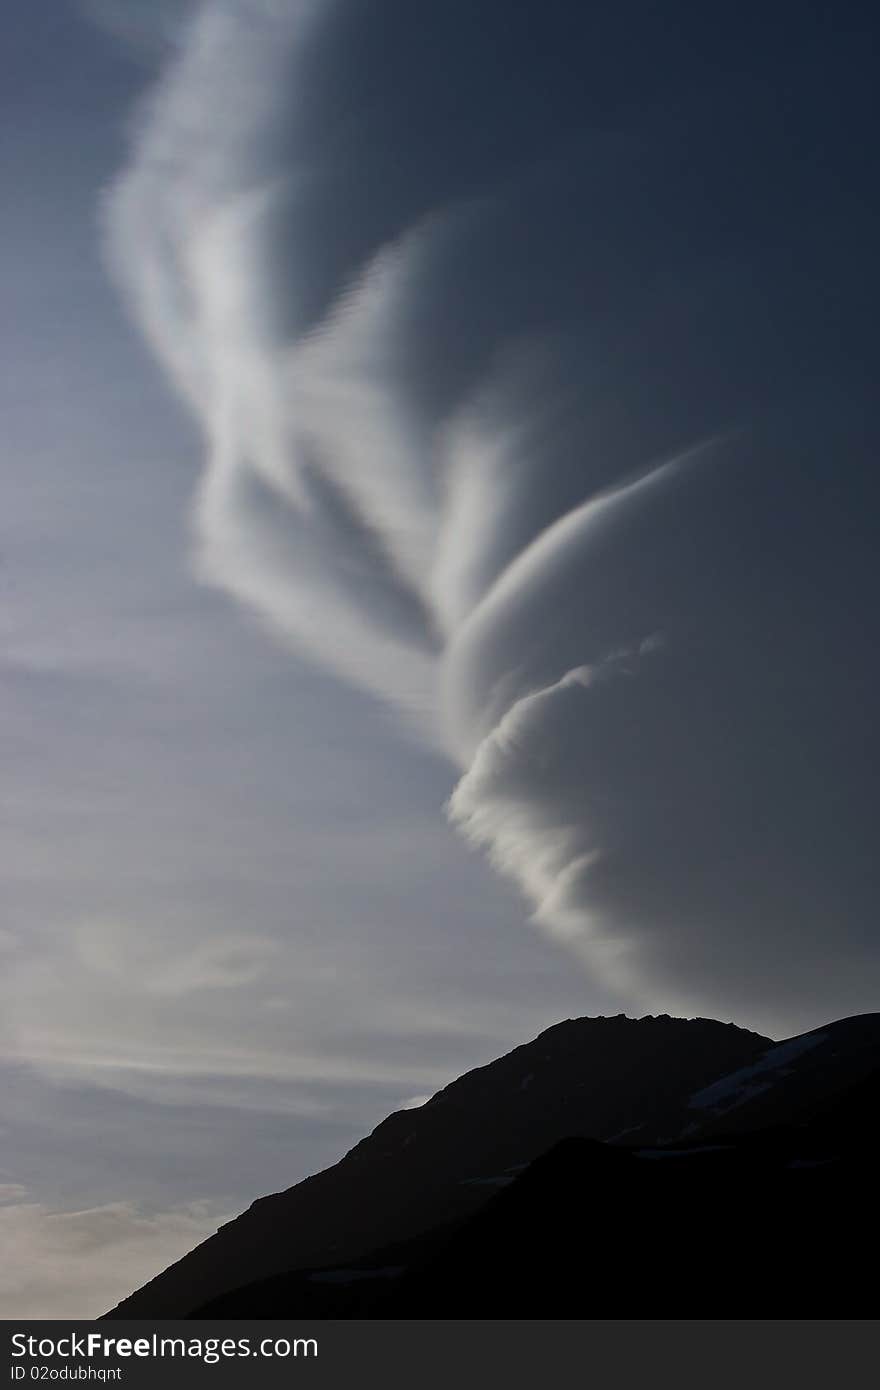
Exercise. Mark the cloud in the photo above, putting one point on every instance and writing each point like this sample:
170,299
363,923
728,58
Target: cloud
147,27
532,366
76,1262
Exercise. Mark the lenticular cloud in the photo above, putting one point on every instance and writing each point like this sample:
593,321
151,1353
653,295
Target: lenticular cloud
530,346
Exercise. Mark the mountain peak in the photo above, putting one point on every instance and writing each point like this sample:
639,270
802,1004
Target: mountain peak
599,1078
635,1089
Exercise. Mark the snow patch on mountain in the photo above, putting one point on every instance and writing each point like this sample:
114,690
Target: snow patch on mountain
730,1091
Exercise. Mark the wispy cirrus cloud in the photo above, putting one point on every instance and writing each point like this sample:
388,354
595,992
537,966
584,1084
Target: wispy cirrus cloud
452,299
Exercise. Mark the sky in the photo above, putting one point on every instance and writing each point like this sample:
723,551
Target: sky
438,572
236,931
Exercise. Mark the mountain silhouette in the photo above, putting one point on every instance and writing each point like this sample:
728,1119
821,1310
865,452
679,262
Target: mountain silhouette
611,1167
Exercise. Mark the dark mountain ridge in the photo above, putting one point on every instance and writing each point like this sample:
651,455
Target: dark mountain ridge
402,1220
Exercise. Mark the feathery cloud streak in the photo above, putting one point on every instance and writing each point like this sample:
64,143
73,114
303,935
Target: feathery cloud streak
533,365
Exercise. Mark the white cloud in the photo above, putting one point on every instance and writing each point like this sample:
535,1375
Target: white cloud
442,340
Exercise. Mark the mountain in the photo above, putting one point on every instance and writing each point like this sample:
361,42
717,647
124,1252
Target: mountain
770,1226
602,1145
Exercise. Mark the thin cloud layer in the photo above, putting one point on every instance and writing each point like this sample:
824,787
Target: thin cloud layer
532,348
75,1262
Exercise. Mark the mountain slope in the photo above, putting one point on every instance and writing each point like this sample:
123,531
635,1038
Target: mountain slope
605,1078
760,1226
791,1081
779,1222
768,1227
